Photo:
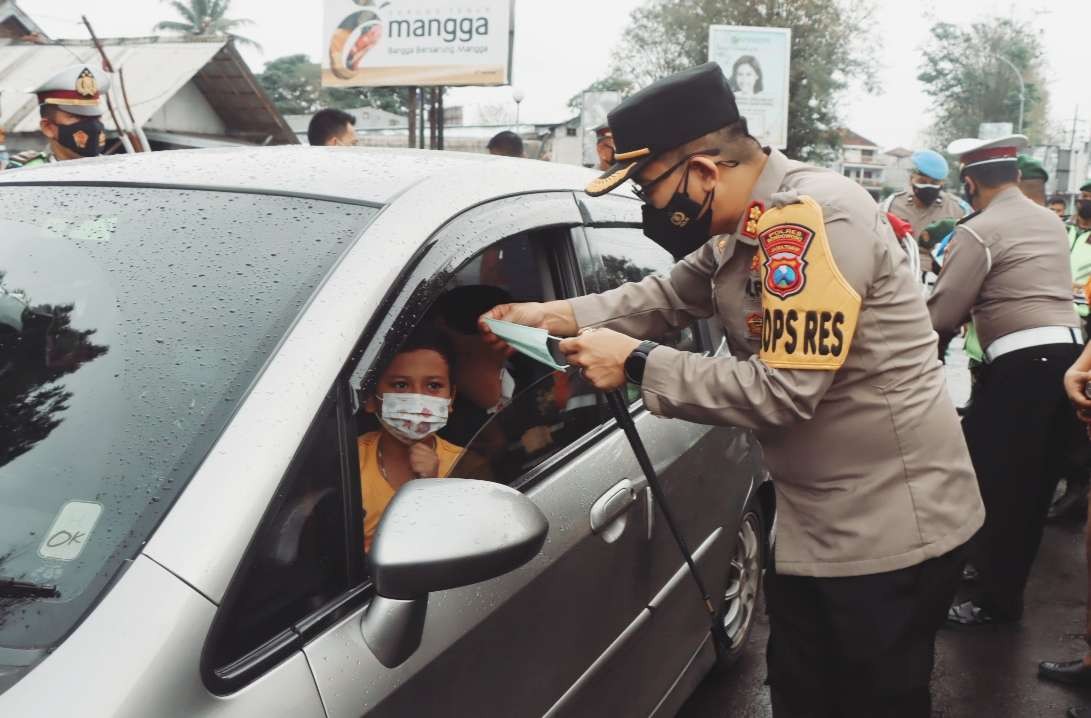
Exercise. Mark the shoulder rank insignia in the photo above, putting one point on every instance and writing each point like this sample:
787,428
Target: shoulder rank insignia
809,310
753,214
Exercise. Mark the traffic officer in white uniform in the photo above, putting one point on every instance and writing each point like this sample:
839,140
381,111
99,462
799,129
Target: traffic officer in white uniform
832,364
71,106
1007,269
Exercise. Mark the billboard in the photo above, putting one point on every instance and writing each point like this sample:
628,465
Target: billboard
594,109
376,43
756,61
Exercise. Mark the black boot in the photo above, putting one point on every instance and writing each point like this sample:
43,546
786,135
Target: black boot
1072,506
1074,673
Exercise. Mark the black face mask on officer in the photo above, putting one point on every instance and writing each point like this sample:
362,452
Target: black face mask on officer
679,227
85,137
926,193
1083,208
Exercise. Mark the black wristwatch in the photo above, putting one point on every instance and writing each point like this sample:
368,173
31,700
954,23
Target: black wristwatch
638,359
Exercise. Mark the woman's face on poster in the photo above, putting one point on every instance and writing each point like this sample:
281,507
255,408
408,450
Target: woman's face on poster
745,78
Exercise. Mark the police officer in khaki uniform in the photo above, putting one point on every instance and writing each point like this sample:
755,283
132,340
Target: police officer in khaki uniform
926,202
1007,268
71,108
604,147
833,365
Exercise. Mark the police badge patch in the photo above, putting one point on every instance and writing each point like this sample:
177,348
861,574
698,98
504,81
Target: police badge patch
785,248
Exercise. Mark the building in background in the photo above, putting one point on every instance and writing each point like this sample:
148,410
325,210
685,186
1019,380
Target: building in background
17,25
897,165
368,119
859,160
183,92
1068,167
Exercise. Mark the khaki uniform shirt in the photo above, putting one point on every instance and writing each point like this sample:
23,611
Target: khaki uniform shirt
1007,267
869,465
905,206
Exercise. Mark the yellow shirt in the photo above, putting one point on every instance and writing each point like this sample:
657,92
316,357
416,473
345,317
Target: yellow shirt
375,490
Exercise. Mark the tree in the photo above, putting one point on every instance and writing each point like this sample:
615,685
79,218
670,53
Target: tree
612,83
969,83
294,83
206,18
38,347
831,50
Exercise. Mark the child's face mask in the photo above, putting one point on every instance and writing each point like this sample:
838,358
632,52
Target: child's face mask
410,418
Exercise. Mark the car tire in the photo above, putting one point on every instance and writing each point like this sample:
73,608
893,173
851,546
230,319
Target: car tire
741,598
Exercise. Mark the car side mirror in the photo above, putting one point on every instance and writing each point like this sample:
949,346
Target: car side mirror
439,534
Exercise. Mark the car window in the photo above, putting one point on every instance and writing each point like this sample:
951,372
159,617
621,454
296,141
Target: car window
624,254
509,413
132,322
552,413
299,559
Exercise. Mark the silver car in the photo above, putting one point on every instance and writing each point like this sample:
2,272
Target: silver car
184,337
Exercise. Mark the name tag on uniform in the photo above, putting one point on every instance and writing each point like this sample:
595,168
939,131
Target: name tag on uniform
809,310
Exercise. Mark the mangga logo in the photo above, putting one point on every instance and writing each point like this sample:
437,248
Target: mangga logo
679,219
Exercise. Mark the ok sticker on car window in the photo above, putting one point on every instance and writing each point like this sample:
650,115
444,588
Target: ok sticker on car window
70,531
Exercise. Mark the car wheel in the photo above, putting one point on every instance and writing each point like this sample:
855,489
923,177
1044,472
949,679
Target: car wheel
740,601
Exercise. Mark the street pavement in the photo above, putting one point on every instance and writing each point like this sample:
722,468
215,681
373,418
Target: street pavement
981,672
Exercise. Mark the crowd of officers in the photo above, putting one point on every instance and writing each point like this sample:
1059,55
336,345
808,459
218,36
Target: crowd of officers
893,517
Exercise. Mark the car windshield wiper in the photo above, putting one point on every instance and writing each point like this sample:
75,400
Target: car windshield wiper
11,588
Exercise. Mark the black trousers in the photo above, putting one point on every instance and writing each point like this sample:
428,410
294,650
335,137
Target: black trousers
1021,432
861,646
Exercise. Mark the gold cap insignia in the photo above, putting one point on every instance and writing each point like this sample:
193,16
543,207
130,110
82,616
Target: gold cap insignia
86,84
604,184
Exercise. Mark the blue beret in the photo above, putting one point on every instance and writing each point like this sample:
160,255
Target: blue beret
930,163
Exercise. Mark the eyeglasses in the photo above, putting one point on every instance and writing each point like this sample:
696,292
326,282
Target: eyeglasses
641,191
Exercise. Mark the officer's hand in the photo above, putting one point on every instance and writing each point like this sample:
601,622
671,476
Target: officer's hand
1075,384
555,317
601,355
423,461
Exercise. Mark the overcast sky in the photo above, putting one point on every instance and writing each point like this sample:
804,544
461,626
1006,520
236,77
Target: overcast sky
563,45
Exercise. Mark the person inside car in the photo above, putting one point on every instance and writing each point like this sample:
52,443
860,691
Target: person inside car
488,380
411,401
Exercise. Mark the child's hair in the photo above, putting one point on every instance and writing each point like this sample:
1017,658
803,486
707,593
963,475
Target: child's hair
426,336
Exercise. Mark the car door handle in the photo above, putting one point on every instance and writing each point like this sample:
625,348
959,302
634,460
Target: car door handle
616,501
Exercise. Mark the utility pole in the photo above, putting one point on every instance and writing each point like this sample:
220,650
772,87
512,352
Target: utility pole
412,97
1022,88
1075,119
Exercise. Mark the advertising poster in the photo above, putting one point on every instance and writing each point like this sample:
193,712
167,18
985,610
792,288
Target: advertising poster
595,107
756,61
376,43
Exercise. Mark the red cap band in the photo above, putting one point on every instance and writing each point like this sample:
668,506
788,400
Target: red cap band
990,153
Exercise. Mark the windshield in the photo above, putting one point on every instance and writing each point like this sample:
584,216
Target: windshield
132,321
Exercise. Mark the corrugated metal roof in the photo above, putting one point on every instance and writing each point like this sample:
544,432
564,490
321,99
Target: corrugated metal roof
155,70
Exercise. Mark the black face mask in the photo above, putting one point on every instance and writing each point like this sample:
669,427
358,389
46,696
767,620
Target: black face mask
1083,208
85,138
679,227
927,194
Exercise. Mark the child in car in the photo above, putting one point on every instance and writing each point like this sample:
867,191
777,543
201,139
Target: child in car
411,401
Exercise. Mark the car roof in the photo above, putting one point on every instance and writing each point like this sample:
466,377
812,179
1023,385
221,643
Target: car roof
368,175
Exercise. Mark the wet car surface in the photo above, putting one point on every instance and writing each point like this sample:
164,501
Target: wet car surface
185,339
